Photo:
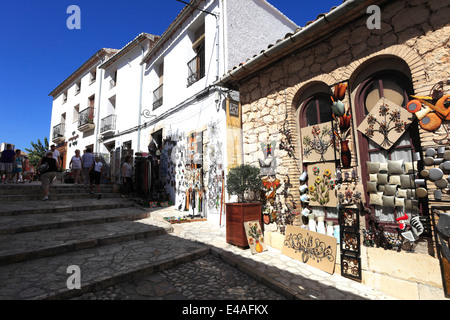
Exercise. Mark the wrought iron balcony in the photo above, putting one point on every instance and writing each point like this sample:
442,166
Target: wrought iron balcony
86,119
196,68
108,125
59,132
158,97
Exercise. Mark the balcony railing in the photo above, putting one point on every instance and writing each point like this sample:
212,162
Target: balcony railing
196,68
108,124
158,97
86,119
59,132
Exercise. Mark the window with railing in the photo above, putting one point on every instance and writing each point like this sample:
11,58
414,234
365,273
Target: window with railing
59,131
108,123
196,67
86,116
158,97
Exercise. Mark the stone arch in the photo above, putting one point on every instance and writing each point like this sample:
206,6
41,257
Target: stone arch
397,57
299,90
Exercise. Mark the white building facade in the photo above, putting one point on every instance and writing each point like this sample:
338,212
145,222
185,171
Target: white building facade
196,125
75,109
159,89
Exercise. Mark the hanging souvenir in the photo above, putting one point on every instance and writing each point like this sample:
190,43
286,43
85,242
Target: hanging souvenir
386,123
318,143
321,182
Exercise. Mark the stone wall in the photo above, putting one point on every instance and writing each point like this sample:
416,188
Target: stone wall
414,38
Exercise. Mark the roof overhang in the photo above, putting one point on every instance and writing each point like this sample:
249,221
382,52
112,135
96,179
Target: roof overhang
174,26
90,63
127,48
339,16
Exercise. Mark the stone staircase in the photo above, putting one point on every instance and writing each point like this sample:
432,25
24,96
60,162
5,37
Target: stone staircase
110,240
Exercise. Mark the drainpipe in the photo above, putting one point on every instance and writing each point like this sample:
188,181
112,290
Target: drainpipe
140,101
97,127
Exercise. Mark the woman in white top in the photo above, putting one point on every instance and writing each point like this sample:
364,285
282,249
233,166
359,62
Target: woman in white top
76,164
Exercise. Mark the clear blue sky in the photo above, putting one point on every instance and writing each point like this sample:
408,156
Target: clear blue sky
38,51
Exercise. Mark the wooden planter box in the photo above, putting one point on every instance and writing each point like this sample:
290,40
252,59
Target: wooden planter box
236,215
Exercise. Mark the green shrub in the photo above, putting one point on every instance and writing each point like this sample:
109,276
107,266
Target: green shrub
244,180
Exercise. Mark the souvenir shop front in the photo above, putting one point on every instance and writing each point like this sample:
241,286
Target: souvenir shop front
193,157
351,132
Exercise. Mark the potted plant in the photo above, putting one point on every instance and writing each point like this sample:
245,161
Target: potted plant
245,182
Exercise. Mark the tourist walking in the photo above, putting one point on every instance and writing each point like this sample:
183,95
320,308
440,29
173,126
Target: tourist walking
17,168
56,154
87,160
127,172
49,174
95,176
6,163
76,165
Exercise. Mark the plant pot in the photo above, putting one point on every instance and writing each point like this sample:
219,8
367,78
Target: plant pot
236,215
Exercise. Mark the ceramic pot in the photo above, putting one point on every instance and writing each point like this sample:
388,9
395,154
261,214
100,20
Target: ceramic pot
303,188
303,176
330,228
437,194
311,223
321,224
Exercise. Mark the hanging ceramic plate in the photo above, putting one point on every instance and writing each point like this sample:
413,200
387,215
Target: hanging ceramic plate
435,174
431,152
421,192
429,161
446,165
441,184
424,173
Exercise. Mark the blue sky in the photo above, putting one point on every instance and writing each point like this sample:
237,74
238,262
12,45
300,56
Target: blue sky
38,51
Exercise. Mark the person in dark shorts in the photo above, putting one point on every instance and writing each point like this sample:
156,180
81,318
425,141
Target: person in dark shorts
95,176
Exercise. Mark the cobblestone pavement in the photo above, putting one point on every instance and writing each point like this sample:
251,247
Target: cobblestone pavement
207,278
225,275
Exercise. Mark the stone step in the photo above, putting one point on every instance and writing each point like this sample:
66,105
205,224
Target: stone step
56,197
100,267
46,221
14,189
32,245
42,207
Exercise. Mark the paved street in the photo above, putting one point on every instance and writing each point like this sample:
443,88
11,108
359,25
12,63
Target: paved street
231,273
127,252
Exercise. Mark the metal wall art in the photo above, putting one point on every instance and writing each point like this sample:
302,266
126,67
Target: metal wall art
318,143
386,123
215,172
310,247
255,237
350,243
268,164
322,183
351,267
431,110
342,117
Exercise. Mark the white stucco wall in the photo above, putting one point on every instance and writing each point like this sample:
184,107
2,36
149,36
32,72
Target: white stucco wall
71,122
127,97
251,25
